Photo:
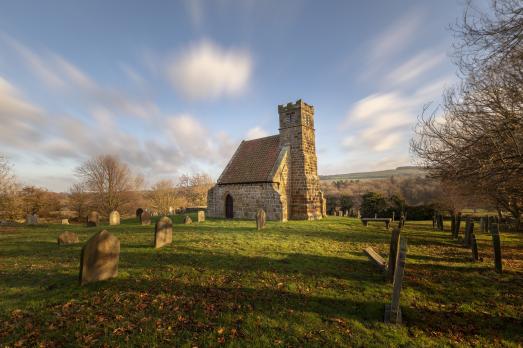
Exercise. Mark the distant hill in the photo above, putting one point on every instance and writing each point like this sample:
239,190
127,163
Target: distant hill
381,174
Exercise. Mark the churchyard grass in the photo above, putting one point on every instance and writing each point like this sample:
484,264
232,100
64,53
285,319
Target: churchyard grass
291,284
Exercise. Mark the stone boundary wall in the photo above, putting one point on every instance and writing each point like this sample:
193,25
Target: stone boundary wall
247,199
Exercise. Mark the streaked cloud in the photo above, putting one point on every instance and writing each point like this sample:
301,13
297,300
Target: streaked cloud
207,71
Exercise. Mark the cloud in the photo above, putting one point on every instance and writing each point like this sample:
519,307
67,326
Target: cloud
397,36
415,67
255,133
207,71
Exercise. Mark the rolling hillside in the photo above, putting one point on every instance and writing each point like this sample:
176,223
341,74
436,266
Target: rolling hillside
381,174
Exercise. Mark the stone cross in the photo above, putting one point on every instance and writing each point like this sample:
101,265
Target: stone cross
68,238
494,230
393,251
187,220
93,219
99,258
201,216
114,218
163,232
393,312
261,218
145,218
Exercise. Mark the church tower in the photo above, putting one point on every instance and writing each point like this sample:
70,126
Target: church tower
297,131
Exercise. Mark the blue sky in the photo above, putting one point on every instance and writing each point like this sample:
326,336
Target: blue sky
173,87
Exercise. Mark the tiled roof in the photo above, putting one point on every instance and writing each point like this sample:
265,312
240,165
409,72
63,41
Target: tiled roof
253,161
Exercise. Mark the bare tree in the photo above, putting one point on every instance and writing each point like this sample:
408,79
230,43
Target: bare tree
194,188
109,179
164,196
8,189
478,142
79,199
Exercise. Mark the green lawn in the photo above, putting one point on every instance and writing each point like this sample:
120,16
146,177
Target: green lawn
224,283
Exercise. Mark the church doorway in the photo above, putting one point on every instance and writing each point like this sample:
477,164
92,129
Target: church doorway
229,212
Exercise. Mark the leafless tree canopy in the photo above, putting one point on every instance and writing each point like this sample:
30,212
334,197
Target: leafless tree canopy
478,142
109,179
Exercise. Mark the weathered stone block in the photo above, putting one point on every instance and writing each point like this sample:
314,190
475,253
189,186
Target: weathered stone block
114,218
99,258
163,232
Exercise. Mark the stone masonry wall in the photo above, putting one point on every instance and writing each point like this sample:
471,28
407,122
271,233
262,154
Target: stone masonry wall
247,199
297,130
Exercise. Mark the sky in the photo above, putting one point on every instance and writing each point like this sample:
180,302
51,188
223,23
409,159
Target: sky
172,87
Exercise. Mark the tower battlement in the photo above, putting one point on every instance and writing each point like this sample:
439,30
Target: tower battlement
293,106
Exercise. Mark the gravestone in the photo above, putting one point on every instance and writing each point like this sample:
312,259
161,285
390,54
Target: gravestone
65,221
393,251
496,242
374,256
93,219
393,311
187,220
358,214
163,232
469,230
474,247
31,219
261,218
114,218
145,218
139,212
402,221
201,216
99,258
68,238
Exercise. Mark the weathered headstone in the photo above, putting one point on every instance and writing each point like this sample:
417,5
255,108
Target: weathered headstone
93,219
139,212
99,258
201,216
145,218
496,242
393,311
261,218
474,247
65,221
31,219
163,232
114,218
187,220
68,238
393,251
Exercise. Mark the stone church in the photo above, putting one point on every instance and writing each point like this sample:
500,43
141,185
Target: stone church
278,173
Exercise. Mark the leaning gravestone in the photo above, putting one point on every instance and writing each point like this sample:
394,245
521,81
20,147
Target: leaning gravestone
68,238
163,232
145,218
494,230
393,251
93,219
261,218
114,218
99,258
187,220
393,311
201,216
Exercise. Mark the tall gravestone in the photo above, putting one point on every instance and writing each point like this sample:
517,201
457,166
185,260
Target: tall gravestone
114,218
474,247
393,311
99,258
163,232
496,243
261,218
93,219
201,216
145,218
393,250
